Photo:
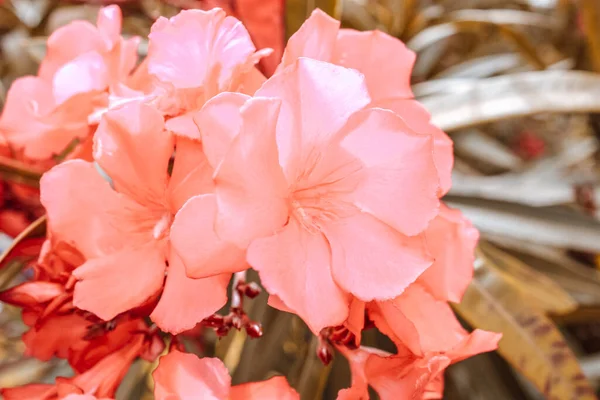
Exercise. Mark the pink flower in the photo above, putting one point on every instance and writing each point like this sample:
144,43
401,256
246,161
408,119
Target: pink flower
80,45
451,239
194,56
123,231
330,198
45,114
185,376
36,121
100,382
386,64
428,338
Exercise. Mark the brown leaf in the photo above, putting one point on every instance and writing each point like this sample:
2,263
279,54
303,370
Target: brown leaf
540,291
531,343
590,15
516,95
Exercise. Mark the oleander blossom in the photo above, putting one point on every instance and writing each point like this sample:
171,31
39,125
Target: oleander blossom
306,185
123,231
46,113
192,167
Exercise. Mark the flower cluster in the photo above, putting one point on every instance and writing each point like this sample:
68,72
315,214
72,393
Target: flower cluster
325,178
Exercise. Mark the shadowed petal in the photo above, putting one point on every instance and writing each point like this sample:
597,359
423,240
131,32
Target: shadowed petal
116,283
191,175
192,236
185,301
219,122
122,148
101,223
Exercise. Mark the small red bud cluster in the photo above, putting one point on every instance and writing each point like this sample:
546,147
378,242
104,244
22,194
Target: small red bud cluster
237,317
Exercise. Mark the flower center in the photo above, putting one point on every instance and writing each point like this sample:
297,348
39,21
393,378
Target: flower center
163,226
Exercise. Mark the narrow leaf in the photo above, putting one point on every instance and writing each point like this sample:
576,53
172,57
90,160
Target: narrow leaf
531,343
516,95
558,228
540,291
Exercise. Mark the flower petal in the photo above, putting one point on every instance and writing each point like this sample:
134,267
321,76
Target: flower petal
219,122
55,336
400,377
83,74
476,342
198,48
27,98
101,222
373,261
121,148
191,175
317,99
185,301
68,42
276,388
264,21
185,376
109,22
428,316
384,60
315,39
116,283
451,238
200,249
295,265
417,117
31,294
250,187
398,166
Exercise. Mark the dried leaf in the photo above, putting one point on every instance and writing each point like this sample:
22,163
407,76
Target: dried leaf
530,342
540,291
516,95
503,17
482,67
559,228
36,48
478,146
402,12
30,12
590,15
518,188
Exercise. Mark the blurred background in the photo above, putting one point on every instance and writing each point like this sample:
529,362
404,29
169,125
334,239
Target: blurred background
515,83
